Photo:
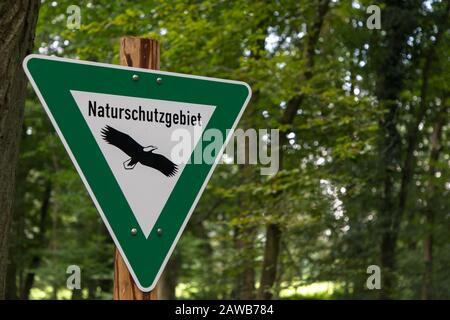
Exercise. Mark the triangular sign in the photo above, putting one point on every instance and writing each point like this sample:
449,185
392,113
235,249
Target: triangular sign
132,135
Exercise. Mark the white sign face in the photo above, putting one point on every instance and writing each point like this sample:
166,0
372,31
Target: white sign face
121,125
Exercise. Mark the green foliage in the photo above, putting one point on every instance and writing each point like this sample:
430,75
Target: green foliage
327,196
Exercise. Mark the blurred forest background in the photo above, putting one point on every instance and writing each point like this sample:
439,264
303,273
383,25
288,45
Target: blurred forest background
364,177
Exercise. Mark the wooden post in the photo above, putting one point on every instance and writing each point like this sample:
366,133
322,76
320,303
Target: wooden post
141,53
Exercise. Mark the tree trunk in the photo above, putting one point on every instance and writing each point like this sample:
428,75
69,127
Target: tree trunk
11,281
270,262
273,230
388,91
244,288
42,242
247,288
413,131
390,74
16,239
17,26
76,294
430,210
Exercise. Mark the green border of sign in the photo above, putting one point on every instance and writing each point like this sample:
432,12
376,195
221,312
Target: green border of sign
53,78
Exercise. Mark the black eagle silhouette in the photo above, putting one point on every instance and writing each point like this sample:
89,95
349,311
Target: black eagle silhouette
138,153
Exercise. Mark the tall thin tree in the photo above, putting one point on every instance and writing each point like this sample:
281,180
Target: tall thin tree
17,27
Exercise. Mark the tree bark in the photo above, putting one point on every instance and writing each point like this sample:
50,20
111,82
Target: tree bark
11,281
16,239
273,230
17,27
